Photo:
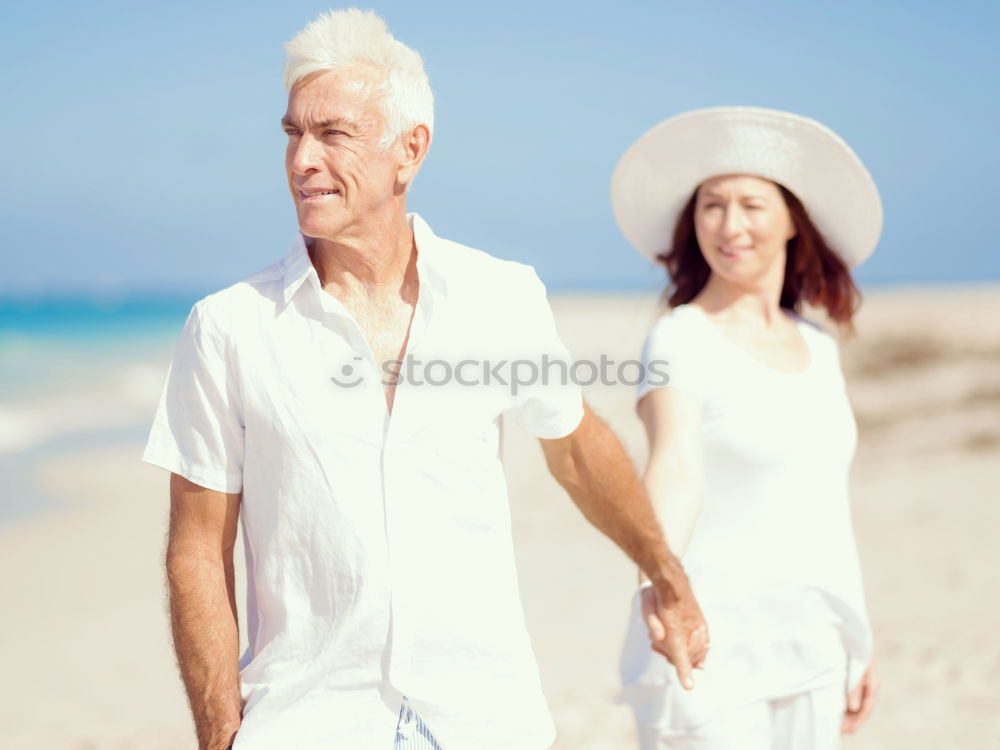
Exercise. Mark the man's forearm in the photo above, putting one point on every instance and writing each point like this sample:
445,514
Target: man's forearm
602,481
206,641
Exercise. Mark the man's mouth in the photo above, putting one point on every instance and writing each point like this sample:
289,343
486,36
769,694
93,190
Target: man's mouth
307,195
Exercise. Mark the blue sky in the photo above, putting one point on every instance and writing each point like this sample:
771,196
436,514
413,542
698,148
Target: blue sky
141,147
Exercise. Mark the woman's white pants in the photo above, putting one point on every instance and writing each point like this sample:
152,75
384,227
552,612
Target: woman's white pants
804,721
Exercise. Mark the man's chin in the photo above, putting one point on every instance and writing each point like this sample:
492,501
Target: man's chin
313,226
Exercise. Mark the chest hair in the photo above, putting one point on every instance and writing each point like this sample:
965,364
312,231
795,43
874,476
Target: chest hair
385,323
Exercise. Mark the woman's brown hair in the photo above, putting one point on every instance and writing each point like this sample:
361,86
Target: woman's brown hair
814,274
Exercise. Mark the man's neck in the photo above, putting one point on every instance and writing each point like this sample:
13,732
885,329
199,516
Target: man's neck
370,261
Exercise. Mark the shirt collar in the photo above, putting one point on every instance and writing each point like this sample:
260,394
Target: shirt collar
299,267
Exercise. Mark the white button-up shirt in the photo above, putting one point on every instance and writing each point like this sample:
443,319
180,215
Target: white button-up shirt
378,549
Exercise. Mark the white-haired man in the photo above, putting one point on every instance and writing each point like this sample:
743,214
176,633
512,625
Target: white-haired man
383,608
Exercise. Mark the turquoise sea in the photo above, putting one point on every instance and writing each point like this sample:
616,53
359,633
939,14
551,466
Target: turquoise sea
45,343
75,372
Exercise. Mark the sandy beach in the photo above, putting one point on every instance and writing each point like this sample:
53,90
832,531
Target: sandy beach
85,639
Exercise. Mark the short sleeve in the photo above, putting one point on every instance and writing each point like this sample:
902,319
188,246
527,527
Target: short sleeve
673,357
198,428
546,402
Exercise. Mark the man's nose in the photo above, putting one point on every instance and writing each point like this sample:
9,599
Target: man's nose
305,158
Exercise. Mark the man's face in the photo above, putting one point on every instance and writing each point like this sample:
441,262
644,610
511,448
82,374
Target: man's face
338,174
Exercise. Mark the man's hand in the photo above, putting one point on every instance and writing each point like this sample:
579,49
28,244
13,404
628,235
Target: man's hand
677,629
860,701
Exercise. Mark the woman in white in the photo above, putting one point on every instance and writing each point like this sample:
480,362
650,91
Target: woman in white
754,213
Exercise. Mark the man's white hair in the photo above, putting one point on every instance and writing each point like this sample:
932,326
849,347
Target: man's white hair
341,39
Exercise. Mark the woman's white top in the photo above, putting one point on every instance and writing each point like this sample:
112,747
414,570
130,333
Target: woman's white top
772,558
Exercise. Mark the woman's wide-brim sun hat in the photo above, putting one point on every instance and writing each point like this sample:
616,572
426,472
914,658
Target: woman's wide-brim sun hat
658,174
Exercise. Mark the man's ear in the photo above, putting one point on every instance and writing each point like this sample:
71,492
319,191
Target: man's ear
414,146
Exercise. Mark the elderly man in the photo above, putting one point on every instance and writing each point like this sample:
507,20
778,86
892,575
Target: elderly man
382,601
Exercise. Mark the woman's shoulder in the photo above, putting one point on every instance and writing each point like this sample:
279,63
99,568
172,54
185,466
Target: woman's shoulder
674,330
676,321
815,331
683,336
809,324
822,342
675,347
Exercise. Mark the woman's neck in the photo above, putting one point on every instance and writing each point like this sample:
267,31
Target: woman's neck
759,306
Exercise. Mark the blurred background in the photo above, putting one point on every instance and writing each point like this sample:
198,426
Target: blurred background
142,168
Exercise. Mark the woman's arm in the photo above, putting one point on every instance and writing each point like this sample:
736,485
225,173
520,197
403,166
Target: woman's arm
673,480
674,471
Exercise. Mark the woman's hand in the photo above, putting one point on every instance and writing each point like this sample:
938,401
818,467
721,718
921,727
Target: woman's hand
683,639
860,701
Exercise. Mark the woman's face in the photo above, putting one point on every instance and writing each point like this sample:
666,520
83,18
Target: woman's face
742,225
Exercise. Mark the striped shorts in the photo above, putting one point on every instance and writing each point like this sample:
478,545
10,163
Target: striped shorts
411,732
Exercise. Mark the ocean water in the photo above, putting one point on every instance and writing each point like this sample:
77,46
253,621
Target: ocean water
46,343
77,372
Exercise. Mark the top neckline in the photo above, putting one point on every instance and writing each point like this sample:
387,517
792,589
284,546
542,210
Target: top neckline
721,335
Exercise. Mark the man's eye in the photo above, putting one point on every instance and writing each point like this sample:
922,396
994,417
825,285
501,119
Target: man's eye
291,131
335,132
